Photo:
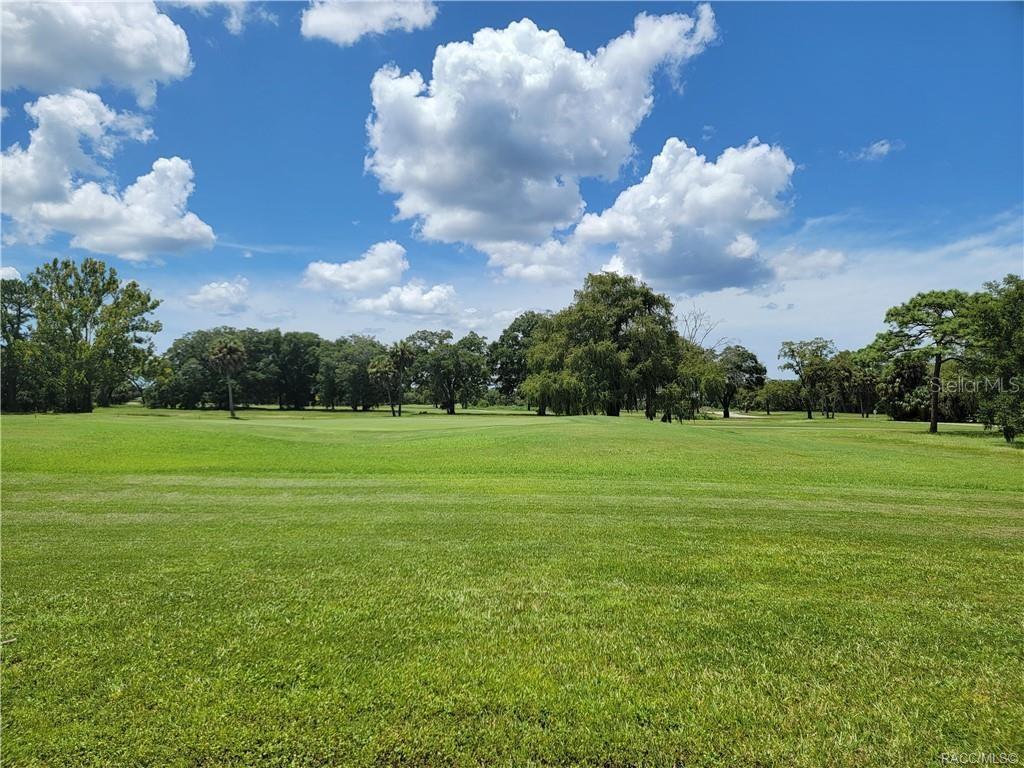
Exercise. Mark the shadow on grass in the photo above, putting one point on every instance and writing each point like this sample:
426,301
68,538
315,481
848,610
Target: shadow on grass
985,434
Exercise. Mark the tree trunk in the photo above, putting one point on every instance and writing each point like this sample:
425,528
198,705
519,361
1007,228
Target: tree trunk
725,407
449,407
231,399
542,410
936,383
10,402
612,409
400,407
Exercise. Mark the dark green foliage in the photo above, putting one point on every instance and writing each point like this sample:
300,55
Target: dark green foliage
780,395
360,391
935,324
507,355
902,390
809,360
299,364
90,337
448,373
741,371
16,359
613,348
74,336
995,355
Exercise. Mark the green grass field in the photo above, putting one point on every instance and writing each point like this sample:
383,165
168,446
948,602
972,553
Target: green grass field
313,589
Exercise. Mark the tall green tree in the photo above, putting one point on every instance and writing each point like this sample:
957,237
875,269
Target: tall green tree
700,378
382,371
403,357
742,371
614,347
475,373
508,355
332,375
780,394
298,363
866,366
902,387
809,361
227,357
91,330
935,324
452,372
16,315
995,355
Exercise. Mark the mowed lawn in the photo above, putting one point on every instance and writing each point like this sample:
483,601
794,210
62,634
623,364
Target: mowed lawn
321,589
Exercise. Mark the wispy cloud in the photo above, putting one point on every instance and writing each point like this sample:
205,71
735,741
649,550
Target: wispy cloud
875,151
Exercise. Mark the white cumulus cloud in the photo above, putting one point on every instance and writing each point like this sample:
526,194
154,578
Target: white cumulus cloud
490,151
44,187
9,273
346,21
222,298
49,47
688,223
413,298
382,264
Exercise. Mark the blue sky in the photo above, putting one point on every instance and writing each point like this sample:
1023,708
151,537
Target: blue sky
890,159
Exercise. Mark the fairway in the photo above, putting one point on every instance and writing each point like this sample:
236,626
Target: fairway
320,589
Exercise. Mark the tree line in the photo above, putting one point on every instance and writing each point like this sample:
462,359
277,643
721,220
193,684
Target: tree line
76,336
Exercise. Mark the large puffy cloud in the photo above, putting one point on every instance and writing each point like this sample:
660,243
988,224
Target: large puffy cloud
345,21
51,47
44,190
490,151
229,297
149,217
382,264
413,298
688,224
9,273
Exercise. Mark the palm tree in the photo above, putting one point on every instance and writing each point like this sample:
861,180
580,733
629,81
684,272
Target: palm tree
382,372
227,356
402,357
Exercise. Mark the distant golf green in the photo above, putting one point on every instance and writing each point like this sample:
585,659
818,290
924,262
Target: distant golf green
495,588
